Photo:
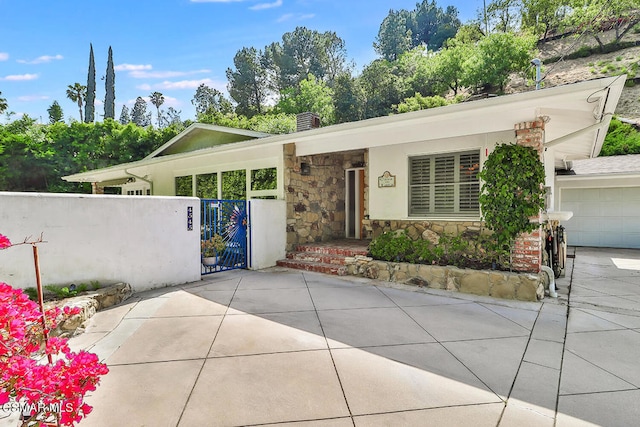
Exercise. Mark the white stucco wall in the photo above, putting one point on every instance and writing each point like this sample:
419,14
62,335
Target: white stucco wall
392,202
268,232
140,240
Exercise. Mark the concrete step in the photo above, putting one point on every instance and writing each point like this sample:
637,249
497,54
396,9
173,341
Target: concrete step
318,257
332,250
335,269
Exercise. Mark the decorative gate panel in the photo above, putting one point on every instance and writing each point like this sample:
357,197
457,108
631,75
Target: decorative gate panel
224,235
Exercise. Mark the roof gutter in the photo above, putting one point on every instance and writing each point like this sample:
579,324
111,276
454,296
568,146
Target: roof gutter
141,179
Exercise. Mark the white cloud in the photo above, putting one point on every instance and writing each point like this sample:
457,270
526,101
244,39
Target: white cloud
295,16
181,85
184,84
163,74
263,6
19,77
42,59
169,101
132,67
4,56
29,98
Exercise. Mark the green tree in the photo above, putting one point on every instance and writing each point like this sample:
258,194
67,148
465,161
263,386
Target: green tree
432,25
419,102
448,67
269,123
597,15
139,114
428,25
496,56
543,16
382,88
173,117
303,52
77,93
348,99
157,99
3,104
124,115
313,95
89,106
248,83
208,100
110,90
504,15
55,112
394,36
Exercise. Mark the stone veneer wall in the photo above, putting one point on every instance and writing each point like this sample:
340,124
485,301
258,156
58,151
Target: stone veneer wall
497,284
421,228
316,202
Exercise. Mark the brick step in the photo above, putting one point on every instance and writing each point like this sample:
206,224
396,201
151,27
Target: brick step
335,269
332,250
317,257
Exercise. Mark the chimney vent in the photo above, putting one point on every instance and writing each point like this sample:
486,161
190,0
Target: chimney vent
307,121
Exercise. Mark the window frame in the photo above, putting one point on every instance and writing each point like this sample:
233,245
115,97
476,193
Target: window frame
444,197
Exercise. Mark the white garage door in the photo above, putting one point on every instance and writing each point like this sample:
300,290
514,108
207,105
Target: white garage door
604,217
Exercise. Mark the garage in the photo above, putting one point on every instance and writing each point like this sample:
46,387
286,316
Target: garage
603,217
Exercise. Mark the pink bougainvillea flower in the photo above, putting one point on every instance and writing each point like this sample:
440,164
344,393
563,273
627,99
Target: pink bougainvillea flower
24,378
4,242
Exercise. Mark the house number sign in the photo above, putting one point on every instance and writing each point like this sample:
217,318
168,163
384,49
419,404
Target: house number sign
190,218
386,180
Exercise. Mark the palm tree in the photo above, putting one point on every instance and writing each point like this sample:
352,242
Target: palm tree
157,99
3,104
77,93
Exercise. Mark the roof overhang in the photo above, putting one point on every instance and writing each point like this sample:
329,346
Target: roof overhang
577,117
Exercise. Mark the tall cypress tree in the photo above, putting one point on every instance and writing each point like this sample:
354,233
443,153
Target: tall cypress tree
89,107
110,90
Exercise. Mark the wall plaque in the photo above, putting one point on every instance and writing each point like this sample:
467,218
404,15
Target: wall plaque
386,180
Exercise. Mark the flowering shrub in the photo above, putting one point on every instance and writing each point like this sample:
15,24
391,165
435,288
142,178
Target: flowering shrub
50,391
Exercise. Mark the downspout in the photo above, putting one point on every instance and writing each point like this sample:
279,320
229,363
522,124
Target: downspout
142,179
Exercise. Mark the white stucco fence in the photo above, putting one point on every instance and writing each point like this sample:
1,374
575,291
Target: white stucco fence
268,236
143,241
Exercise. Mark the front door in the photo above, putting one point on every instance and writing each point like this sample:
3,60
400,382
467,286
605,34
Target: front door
354,202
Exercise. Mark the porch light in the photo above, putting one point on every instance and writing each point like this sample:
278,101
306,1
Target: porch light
305,169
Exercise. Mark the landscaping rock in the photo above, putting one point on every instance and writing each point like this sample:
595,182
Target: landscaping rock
89,304
431,236
475,283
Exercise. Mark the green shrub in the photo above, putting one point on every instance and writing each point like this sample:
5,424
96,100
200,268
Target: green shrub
622,138
582,52
470,250
32,293
391,246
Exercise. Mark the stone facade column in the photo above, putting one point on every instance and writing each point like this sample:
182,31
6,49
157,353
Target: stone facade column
527,251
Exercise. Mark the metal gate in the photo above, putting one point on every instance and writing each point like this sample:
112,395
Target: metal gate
224,235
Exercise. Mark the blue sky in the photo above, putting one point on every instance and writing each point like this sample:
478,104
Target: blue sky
169,46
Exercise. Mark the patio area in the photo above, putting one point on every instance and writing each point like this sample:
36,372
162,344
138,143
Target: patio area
288,347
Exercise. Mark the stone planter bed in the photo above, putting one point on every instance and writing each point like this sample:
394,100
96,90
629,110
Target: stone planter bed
89,303
497,284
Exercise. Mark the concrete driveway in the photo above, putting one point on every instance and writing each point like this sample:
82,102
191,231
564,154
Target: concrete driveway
291,348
